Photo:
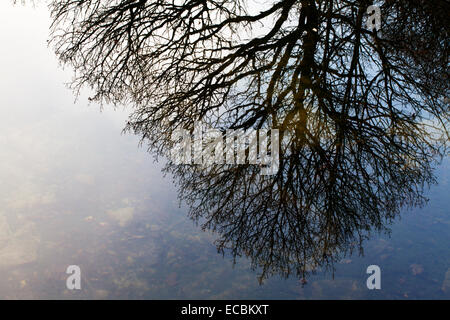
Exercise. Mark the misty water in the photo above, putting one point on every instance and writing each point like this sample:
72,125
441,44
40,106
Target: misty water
76,191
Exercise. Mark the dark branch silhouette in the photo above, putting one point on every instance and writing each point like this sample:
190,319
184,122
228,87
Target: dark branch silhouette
363,114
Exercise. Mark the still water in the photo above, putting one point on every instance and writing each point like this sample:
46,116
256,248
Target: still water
76,191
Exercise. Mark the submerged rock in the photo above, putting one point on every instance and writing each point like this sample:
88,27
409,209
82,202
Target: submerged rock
446,282
17,247
416,269
122,215
5,231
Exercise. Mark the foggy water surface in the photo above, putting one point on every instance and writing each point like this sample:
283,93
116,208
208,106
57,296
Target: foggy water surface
76,191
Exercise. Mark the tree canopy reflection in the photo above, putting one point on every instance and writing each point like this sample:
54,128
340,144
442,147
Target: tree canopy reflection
363,114
320,205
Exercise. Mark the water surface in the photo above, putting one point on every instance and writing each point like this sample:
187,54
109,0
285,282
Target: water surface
76,191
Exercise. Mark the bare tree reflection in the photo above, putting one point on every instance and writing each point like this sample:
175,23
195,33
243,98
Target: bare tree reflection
321,205
367,112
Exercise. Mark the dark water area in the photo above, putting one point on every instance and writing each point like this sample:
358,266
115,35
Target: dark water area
75,191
